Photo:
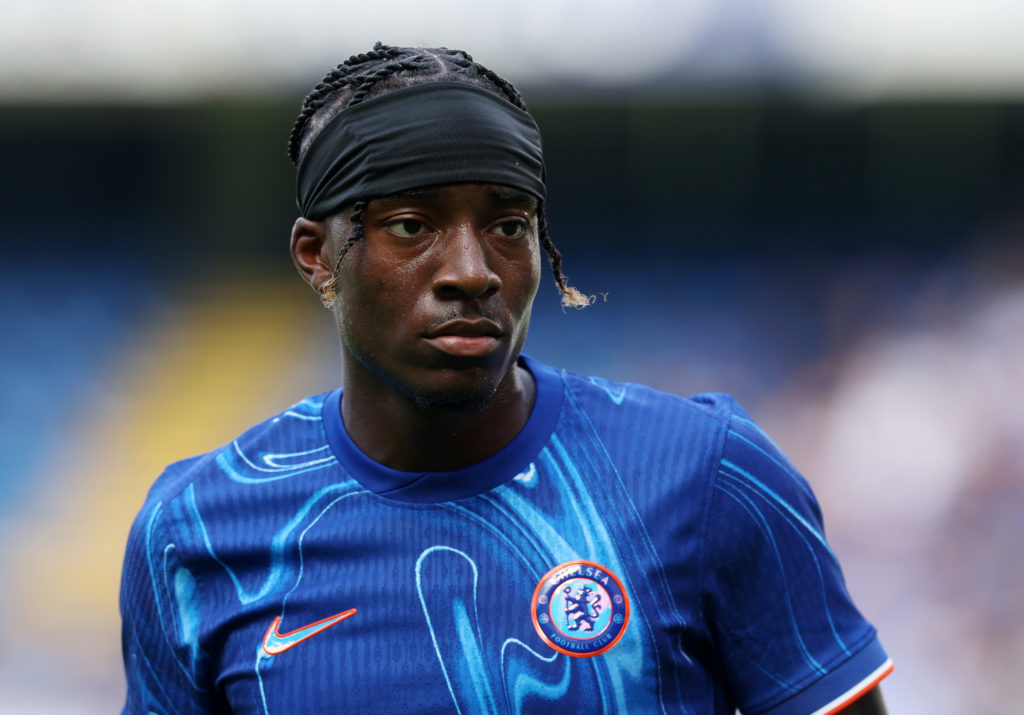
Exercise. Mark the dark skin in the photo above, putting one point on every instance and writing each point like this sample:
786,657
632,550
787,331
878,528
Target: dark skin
432,308
433,305
870,704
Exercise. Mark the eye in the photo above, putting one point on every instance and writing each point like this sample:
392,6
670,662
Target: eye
510,229
407,228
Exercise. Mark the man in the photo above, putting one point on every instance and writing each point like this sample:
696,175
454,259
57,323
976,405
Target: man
463,528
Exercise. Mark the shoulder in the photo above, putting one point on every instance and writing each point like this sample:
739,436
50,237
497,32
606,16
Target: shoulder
296,429
642,410
645,432
596,393
710,435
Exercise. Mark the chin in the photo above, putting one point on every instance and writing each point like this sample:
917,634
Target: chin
465,399
468,391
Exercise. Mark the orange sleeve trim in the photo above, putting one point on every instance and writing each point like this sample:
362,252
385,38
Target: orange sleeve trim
858,690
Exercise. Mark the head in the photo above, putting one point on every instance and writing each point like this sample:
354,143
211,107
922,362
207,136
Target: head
380,71
431,285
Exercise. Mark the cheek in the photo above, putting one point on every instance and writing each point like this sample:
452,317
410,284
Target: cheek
531,279
357,311
526,283
374,298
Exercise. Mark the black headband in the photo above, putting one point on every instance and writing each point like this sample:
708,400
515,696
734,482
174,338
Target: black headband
425,135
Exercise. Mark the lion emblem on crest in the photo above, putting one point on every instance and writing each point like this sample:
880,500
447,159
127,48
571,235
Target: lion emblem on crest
582,608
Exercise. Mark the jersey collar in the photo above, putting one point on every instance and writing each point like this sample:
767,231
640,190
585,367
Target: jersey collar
433,487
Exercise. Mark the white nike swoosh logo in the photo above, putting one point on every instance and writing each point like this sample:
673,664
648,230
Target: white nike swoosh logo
275,642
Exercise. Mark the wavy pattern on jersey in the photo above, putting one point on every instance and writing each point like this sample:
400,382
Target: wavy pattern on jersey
286,557
286,561
810,536
526,674
285,553
274,466
763,436
309,409
177,585
547,515
576,523
286,545
457,614
759,501
615,391
271,466
523,682
641,546
651,584
608,532
453,620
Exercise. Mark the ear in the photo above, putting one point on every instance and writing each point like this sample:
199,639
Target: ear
311,251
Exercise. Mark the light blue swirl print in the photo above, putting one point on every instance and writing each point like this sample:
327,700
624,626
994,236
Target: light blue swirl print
273,466
466,663
572,527
737,483
454,625
286,544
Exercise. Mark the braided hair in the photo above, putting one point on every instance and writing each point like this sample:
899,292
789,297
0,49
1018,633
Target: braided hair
384,69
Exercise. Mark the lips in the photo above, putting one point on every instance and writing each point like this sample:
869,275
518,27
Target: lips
464,337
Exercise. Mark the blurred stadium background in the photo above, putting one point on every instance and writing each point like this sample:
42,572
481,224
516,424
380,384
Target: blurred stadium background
814,206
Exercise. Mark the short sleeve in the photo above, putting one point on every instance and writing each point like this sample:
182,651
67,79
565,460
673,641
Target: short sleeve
163,663
789,638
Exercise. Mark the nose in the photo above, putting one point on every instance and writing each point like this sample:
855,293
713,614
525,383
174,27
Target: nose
464,270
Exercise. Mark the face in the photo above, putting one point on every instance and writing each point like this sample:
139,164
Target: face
434,302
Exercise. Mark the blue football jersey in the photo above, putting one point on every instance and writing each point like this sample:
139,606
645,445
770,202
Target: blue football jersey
628,552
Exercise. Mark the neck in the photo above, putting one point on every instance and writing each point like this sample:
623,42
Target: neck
393,429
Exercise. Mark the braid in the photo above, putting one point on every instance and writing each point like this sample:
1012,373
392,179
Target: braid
384,68
411,66
466,63
337,79
329,287
379,52
571,297
504,85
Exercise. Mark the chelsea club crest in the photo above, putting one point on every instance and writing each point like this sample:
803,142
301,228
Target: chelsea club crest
580,608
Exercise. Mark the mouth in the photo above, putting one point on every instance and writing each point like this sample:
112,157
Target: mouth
475,337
